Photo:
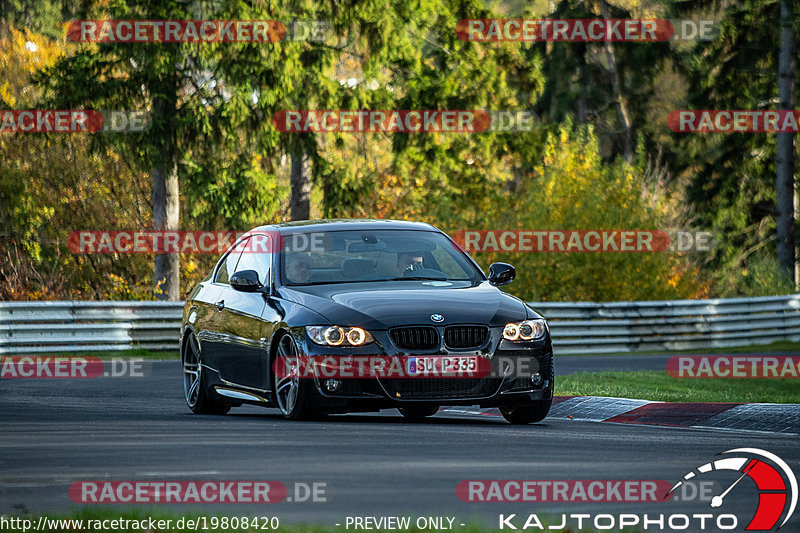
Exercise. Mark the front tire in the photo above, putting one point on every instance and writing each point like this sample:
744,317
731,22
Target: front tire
291,390
527,413
199,399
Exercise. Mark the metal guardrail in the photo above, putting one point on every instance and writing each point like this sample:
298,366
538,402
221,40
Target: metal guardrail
582,327
671,325
77,326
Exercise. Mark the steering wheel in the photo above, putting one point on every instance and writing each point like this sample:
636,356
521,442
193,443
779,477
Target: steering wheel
420,270
414,267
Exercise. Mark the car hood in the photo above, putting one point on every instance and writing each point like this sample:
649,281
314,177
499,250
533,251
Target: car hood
380,305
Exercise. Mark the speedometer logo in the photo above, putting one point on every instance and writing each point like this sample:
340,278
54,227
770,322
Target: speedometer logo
777,485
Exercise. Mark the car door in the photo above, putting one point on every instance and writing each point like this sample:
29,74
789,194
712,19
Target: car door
203,315
212,338
242,326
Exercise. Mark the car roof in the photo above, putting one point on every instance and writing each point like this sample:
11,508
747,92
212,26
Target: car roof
340,224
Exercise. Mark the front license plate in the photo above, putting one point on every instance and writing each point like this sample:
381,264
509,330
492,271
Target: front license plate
443,366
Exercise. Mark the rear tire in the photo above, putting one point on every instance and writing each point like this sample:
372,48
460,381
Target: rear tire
527,413
418,412
199,399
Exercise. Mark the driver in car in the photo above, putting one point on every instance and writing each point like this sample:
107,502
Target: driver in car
409,262
298,269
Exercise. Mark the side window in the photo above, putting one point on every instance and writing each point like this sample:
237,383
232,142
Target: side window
228,266
256,256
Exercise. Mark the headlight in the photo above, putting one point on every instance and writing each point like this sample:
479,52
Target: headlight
527,330
338,336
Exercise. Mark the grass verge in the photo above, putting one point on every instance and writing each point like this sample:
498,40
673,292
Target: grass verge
778,346
136,353
659,386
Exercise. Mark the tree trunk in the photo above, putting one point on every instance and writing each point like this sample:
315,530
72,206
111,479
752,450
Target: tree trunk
300,203
612,71
582,85
166,213
785,149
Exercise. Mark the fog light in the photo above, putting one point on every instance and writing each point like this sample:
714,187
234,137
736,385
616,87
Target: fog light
536,379
332,385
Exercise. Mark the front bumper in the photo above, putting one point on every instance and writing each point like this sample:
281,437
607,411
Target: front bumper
509,381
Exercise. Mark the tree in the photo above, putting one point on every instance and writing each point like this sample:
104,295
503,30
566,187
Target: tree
51,185
301,188
602,83
622,107
194,125
42,17
785,216
731,177
571,187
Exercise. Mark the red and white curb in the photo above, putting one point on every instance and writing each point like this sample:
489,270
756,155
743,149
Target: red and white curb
761,417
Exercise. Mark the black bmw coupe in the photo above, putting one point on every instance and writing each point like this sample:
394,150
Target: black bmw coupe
336,316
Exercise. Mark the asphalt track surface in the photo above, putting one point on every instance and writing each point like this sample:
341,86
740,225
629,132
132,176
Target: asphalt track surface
55,432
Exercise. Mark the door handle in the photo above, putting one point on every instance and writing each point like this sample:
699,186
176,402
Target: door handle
220,305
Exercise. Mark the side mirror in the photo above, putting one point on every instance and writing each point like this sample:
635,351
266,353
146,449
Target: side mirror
501,274
246,281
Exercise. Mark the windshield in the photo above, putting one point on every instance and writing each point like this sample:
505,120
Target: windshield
364,256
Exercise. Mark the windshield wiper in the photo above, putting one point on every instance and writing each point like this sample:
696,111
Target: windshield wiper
417,278
331,282
407,278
